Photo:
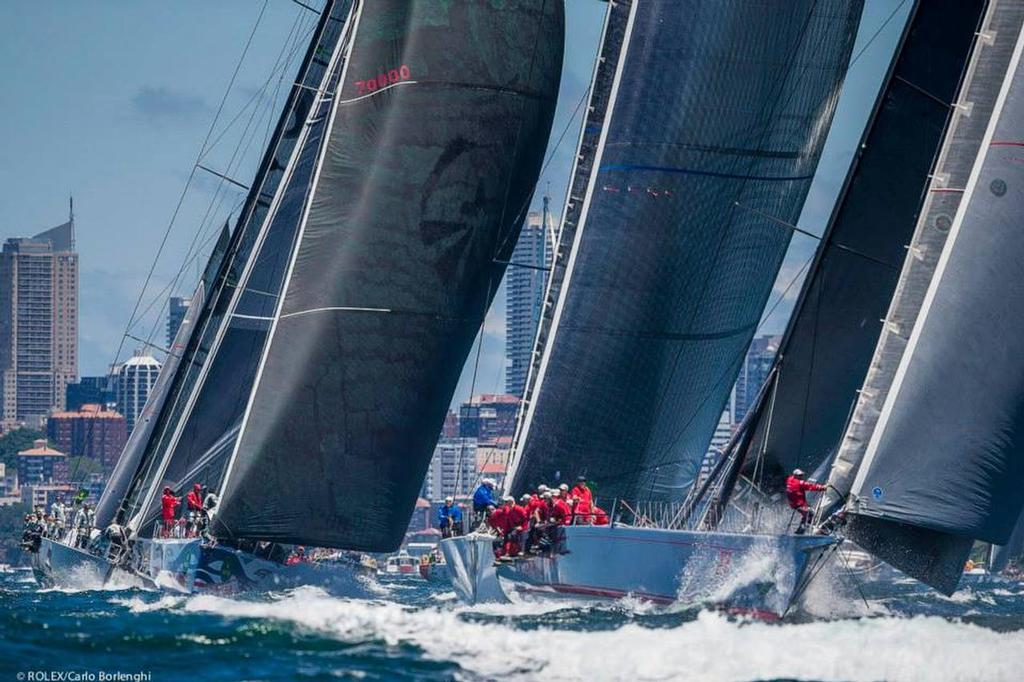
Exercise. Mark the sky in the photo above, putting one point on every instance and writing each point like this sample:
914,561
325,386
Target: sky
114,101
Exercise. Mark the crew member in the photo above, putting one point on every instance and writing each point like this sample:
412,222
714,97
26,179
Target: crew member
797,488
449,518
483,497
194,502
168,505
559,511
497,519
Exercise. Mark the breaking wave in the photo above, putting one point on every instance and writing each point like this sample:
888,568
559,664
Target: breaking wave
710,647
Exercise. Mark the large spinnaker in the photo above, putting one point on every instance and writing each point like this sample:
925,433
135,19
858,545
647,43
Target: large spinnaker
831,336
935,447
716,116
432,155
177,414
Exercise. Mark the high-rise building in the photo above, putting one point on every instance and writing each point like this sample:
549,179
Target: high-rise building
524,295
452,470
488,417
753,373
90,391
92,432
38,324
135,380
176,309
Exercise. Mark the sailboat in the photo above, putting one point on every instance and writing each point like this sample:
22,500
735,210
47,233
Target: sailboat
932,456
324,343
692,167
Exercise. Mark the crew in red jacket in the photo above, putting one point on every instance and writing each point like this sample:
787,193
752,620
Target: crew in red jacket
195,499
560,512
796,493
581,492
498,520
168,505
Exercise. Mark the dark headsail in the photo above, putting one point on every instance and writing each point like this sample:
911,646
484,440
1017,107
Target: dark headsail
208,326
432,153
707,122
832,333
131,457
935,447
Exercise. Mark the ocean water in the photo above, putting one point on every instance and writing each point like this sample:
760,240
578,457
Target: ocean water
417,631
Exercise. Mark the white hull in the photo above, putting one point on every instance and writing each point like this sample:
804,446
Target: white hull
759,574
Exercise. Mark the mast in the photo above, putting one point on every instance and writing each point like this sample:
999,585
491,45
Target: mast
835,324
924,481
669,253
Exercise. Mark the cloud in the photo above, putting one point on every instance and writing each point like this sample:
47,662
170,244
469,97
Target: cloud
162,105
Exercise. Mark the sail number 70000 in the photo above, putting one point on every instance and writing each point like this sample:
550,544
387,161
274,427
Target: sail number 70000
391,77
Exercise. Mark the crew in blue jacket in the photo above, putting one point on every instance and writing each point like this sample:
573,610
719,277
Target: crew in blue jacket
449,518
483,499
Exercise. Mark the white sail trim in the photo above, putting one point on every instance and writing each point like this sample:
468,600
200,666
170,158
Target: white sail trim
354,22
521,436
908,355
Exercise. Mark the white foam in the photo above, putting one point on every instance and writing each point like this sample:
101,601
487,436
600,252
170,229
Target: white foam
139,605
709,648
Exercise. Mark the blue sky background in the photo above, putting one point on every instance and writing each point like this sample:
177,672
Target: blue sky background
112,99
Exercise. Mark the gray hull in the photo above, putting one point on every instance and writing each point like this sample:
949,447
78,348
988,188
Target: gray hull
63,566
186,567
759,574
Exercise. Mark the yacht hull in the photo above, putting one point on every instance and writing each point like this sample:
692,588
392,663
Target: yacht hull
757,574
187,566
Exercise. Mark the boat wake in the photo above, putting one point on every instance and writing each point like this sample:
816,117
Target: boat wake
527,642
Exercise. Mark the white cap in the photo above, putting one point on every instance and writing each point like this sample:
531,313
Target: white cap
449,499
563,487
508,498
489,482
525,497
541,488
546,494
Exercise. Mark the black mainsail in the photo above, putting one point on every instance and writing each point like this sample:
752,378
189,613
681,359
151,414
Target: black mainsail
932,458
675,228
432,150
832,333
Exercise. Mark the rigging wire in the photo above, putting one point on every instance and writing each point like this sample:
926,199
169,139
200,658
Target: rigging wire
282,64
188,182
